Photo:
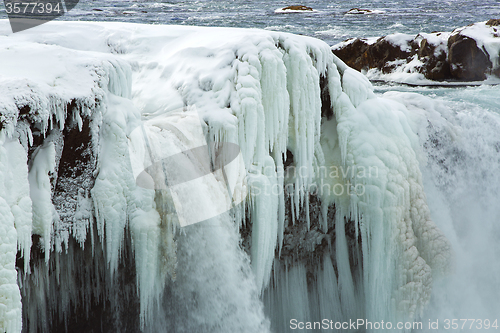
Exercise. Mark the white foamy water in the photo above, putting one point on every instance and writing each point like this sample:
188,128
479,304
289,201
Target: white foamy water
460,135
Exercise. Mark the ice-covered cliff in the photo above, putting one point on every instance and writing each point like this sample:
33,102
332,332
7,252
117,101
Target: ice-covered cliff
322,214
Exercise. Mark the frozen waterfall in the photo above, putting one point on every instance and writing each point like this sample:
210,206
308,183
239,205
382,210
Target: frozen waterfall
322,214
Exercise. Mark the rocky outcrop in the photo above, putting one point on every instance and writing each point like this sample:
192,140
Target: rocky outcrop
359,11
467,61
434,60
466,54
493,22
360,54
297,7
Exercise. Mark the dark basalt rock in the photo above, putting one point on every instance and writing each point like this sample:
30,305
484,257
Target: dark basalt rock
467,61
74,291
353,54
358,11
493,22
75,177
436,67
383,52
362,56
297,7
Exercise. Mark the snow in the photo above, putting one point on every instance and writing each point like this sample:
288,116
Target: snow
153,92
404,72
368,40
49,88
437,39
401,40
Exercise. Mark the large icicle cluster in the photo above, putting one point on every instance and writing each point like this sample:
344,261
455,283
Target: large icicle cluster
38,101
389,204
146,91
15,213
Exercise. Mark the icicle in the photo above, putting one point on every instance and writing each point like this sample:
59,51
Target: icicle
264,217
305,116
41,193
10,297
375,135
275,100
19,197
114,181
281,198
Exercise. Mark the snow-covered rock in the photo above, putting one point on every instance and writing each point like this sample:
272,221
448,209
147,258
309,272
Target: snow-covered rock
294,9
359,11
468,53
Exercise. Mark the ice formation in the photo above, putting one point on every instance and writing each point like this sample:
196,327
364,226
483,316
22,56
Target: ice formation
287,102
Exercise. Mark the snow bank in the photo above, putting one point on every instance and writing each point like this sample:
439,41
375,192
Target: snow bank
151,92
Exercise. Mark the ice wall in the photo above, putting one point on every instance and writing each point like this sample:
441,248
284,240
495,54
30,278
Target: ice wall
394,220
288,103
